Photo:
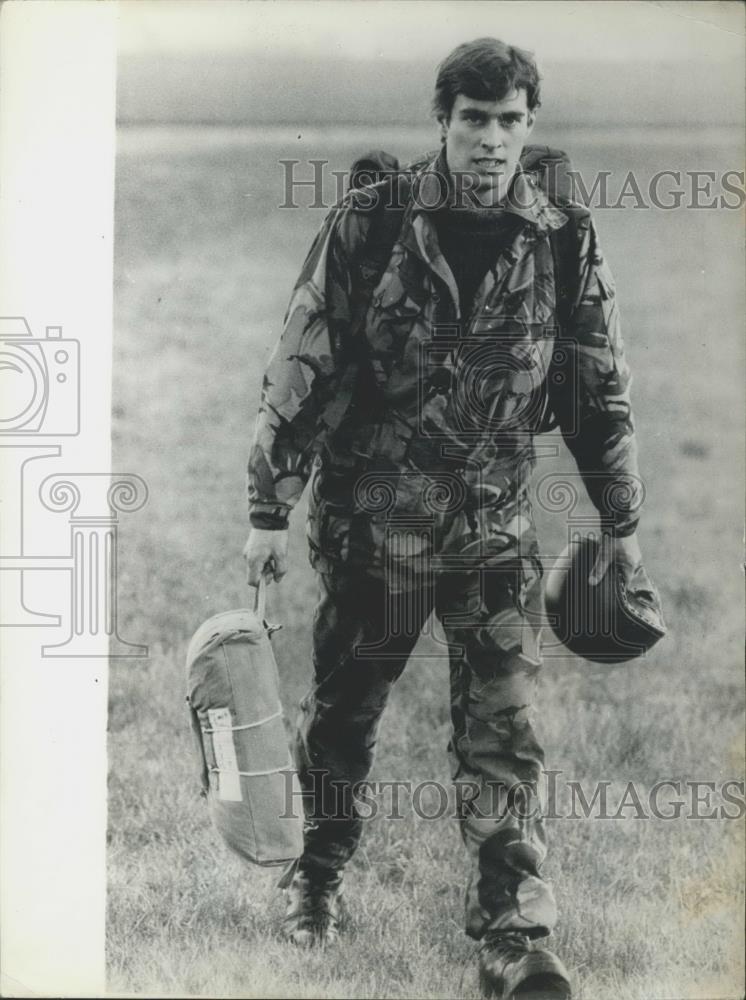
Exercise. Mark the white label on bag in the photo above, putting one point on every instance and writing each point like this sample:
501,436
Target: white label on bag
229,780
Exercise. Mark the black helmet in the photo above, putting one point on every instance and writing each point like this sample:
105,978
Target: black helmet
611,622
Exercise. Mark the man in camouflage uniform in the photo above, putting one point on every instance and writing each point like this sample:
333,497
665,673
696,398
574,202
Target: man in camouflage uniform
420,487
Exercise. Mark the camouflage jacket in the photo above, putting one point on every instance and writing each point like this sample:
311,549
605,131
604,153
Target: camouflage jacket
430,464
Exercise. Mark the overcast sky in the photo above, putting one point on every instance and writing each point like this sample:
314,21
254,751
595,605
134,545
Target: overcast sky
370,29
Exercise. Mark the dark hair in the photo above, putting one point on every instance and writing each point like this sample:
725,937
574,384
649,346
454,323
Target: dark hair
485,70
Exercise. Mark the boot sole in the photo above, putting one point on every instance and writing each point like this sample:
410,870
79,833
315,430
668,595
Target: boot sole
539,985
543,986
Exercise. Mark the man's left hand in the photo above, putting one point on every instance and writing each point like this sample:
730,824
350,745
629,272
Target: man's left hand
625,552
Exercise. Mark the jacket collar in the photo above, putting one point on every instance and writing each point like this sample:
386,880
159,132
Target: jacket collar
433,189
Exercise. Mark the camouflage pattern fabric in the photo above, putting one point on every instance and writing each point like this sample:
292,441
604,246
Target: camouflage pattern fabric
494,665
439,434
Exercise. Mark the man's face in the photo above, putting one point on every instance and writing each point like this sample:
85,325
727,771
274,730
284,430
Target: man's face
485,139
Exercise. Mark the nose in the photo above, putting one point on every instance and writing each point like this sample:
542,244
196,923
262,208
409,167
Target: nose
492,136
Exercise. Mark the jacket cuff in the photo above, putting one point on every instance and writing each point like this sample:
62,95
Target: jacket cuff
619,502
269,516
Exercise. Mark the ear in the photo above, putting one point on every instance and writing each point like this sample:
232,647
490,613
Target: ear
530,119
444,123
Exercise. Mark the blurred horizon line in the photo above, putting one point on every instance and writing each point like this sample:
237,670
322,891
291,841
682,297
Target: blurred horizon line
240,91
713,127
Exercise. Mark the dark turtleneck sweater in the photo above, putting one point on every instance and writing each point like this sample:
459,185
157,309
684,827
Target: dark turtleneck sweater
471,240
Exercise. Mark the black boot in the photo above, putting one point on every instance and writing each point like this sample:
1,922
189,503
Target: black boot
511,966
314,909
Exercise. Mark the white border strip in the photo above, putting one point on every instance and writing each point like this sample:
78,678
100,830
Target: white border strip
57,101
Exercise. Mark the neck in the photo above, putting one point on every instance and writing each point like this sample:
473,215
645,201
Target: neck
467,196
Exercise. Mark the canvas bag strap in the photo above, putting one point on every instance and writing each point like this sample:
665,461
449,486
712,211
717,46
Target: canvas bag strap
260,597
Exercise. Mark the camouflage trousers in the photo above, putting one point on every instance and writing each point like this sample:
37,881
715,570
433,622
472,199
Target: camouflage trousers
360,648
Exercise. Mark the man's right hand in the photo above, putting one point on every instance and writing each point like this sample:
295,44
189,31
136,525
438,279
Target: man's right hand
265,552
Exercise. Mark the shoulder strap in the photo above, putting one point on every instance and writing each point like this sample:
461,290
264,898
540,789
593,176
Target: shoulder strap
552,169
387,214
372,167
565,243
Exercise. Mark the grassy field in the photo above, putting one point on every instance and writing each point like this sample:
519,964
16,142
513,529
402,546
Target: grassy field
648,909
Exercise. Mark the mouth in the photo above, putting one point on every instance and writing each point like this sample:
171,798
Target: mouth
490,163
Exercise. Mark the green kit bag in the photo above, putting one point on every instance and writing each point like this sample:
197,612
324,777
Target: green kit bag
247,772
